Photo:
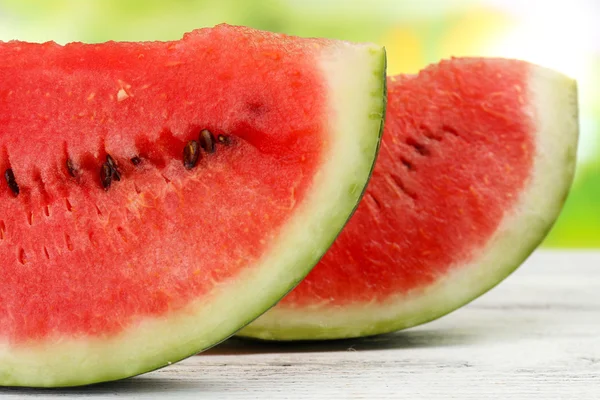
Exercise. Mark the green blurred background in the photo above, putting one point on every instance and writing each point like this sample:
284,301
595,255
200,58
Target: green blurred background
564,35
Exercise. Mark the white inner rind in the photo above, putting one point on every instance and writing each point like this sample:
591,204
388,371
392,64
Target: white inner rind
354,118
554,111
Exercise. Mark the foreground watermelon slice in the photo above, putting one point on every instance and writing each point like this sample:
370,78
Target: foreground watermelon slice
476,161
159,196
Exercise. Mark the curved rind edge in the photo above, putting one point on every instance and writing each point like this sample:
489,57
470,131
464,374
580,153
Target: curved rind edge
153,343
555,113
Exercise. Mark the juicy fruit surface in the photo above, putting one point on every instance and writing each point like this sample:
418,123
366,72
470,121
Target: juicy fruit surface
70,250
456,151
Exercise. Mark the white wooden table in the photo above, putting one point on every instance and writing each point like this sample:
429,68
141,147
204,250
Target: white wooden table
537,335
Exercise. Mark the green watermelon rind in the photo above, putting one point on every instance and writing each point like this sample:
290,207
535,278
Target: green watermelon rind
357,99
554,108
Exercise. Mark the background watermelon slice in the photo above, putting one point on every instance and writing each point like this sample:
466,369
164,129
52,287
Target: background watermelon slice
476,162
159,196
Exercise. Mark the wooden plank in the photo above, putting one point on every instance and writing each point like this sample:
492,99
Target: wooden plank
537,335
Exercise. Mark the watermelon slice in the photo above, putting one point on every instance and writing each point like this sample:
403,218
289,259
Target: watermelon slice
476,162
159,196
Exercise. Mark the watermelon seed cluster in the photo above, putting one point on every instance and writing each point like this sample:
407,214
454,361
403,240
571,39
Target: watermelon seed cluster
419,146
206,141
422,148
109,170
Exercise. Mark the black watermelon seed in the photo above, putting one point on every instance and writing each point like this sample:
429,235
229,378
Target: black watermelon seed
190,154
111,161
116,175
407,164
136,160
106,175
207,141
12,183
223,139
71,168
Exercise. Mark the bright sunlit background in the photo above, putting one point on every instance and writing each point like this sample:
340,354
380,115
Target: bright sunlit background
564,35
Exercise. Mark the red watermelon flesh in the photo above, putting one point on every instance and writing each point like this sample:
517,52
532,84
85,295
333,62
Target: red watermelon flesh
476,161
158,196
